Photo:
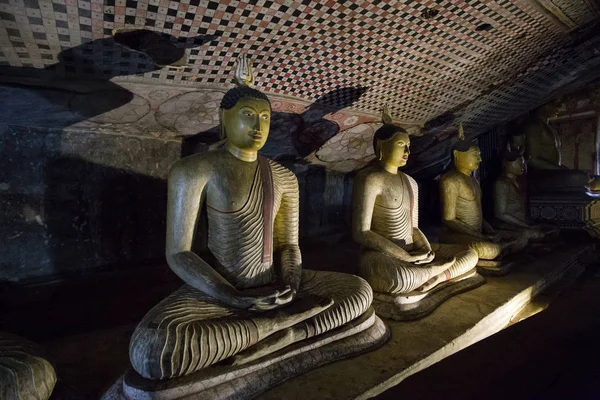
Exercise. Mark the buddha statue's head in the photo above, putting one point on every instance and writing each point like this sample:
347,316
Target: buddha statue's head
391,143
465,154
548,110
513,164
245,113
516,143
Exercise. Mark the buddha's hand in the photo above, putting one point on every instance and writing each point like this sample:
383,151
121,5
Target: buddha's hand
422,257
494,237
269,301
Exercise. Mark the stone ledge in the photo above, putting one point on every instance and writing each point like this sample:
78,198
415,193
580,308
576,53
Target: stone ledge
455,325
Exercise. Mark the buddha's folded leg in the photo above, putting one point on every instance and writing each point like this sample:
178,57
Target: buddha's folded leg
352,296
188,331
516,240
487,250
386,274
466,258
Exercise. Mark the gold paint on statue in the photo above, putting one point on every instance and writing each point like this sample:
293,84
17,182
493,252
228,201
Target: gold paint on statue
462,215
396,257
253,264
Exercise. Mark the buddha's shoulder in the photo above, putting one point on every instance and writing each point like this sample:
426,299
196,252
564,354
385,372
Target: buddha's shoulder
206,161
450,177
371,174
411,180
502,180
280,172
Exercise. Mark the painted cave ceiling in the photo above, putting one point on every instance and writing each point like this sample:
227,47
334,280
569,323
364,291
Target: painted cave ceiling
434,62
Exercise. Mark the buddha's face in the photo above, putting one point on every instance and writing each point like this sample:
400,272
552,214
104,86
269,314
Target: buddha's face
467,160
517,143
395,150
548,110
247,123
516,167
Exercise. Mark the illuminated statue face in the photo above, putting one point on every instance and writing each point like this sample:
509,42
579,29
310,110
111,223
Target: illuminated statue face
468,160
516,167
395,150
247,124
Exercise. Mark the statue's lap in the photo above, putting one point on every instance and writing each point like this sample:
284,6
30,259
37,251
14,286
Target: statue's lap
390,275
190,330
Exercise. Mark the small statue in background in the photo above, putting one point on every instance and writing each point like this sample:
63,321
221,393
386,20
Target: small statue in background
462,215
510,201
543,156
404,269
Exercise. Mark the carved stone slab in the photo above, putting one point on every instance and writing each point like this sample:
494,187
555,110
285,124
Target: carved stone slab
416,306
247,381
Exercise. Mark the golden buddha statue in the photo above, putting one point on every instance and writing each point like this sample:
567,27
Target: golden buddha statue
397,260
253,263
510,201
542,152
462,216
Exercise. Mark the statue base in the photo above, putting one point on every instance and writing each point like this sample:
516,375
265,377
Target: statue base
416,305
249,380
495,267
503,265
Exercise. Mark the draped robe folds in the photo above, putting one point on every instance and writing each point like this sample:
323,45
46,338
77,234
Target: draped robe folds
468,211
190,330
390,275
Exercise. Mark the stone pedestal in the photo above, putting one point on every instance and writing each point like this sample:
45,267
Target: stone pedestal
577,210
415,305
247,381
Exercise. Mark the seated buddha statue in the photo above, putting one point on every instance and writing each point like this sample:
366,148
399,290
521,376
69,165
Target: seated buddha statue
24,371
247,296
405,270
543,155
462,216
510,211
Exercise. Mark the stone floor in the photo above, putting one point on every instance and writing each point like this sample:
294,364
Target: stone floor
89,363
552,355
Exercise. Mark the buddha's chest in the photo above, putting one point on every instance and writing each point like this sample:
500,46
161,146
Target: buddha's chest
230,190
395,193
469,189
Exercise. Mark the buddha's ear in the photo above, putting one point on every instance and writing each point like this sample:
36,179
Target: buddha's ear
378,151
222,134
454,153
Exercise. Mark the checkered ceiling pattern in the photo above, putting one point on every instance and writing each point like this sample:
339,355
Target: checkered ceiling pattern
422,57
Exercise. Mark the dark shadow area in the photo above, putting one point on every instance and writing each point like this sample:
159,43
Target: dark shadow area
103,239
100,216
161,48
99,61
551,355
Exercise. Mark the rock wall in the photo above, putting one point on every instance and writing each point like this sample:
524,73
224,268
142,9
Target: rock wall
83,172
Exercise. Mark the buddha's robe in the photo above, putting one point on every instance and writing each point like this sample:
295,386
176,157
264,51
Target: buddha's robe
468,212
387,274
543,154
190,330
509,192
24,372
